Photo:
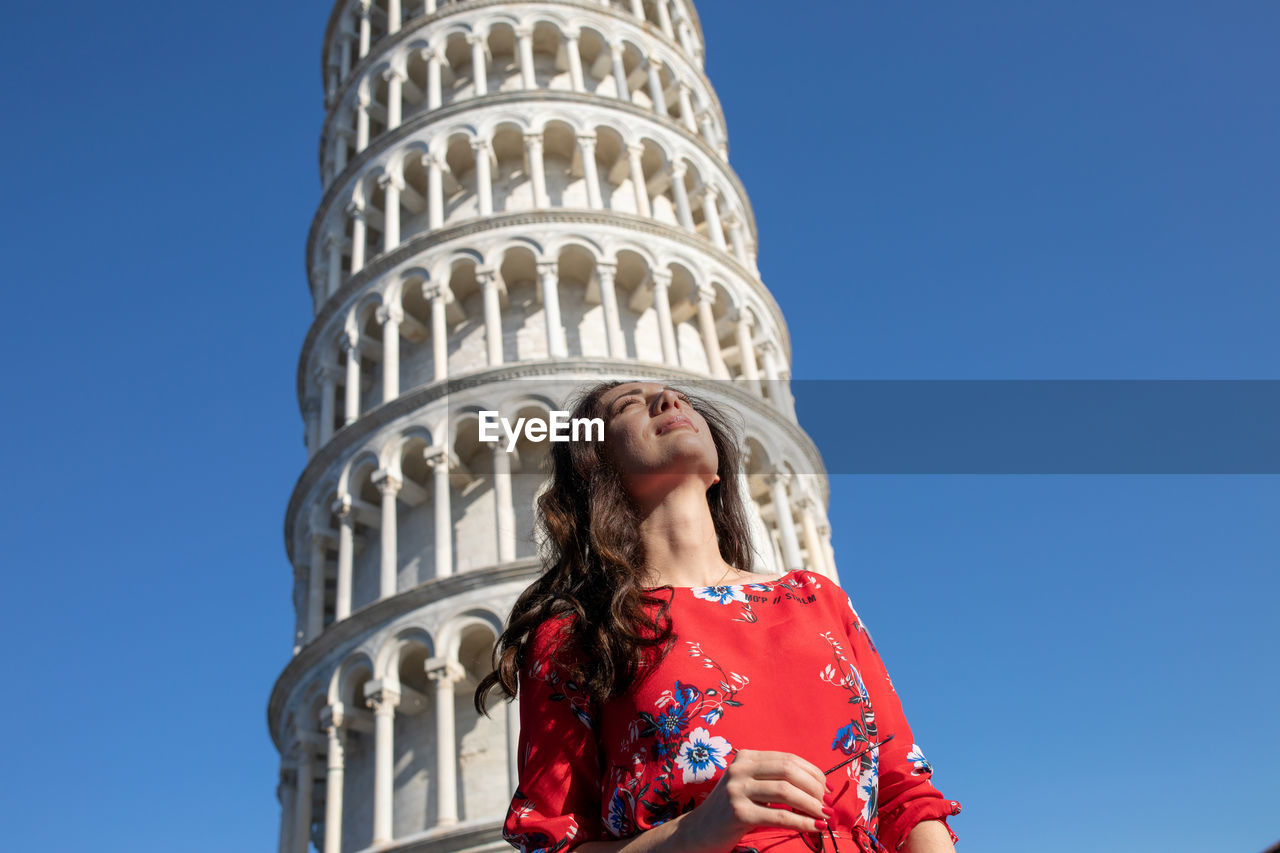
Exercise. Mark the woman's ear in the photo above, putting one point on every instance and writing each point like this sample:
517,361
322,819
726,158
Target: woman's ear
716,480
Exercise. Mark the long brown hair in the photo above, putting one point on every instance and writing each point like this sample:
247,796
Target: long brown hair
591,560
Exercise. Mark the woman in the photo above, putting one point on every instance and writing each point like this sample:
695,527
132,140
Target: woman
670,699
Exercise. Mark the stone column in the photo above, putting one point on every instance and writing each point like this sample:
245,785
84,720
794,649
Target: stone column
351,399
619,73
302,805
435,294
824,531
773,381
362,124
311,414
333,271
331,718
445,674
393,16
711,214
365,28
743,321
488,281
504,510
537,169
315,586
664,19
524,38
434,94
738,236
686,108
395,83
390,316
706,128
686,37
576,79
704,297
383,700
479,71
605,274
513,743
812,541
777,481
391,186
435,190
429,7
655,90
287,794
346,553
389,487
662,303
299,605
328,380
681,193
438,459
356,211
549,279
637,179
590,174
484,176
637,8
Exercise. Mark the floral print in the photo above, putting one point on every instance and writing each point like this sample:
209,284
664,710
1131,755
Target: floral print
782,665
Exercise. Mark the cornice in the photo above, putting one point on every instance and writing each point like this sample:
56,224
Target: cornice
381,612
387,261
560,368
416,25
391,138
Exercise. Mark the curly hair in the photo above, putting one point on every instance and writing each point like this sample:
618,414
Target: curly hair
592,558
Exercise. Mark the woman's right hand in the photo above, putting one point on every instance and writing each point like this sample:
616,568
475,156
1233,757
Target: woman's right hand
741,799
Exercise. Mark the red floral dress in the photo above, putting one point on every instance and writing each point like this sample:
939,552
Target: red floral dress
782,665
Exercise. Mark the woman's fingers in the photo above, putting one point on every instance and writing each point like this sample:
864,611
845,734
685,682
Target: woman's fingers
757,815
766,791
763,764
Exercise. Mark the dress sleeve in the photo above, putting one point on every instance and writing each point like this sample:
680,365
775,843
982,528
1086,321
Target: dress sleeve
556,805
907,795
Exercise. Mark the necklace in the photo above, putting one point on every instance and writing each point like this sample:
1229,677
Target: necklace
725,575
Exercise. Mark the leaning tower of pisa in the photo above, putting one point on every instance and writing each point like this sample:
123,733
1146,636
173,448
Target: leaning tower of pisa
517,198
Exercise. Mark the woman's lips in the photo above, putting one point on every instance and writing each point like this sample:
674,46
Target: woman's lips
677,421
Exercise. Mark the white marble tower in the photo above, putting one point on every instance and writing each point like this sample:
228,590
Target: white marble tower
518,198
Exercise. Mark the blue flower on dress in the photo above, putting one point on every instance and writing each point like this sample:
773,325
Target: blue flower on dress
702,755
622,806
918,761
713,715
848,737
720,594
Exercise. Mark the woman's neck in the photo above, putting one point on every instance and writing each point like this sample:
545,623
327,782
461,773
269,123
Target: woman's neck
679,539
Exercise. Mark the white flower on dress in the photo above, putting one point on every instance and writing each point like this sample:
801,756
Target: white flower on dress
702,755
720,594
918,761
869,787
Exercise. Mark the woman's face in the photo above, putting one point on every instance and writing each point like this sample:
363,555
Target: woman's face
656,439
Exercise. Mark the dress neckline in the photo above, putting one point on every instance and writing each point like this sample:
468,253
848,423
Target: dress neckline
727,585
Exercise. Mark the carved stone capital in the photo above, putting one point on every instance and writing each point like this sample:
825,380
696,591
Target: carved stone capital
349,340
342,508
480,145
660,278
391,179
442,670
742,314
523,32
390,74
533,140
587,141
387,482
478,38
355,210
382,696
777,475
548,269
436,458
432,290
606,271
333,716
703,293
678,169
390,314
634,149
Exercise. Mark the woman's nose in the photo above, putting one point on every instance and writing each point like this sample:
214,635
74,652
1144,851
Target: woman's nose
666,400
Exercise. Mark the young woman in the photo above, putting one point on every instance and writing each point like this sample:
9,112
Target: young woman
671,700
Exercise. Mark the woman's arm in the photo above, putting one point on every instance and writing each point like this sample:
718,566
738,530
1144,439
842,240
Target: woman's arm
929,836
739,802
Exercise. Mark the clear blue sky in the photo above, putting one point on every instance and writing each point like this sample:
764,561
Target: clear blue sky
943,191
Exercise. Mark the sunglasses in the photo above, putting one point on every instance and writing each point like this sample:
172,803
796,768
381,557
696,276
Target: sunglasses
815,841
